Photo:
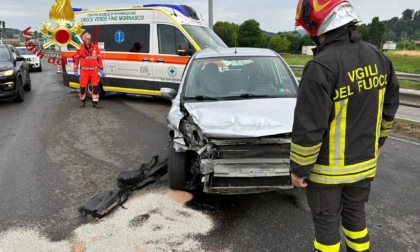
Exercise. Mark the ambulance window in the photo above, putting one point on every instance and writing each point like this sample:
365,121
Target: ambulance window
120,38
169,37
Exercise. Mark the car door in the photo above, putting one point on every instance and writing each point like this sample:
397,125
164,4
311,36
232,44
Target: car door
168,65
20,64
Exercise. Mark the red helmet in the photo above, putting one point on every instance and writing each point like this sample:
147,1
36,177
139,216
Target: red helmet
320,16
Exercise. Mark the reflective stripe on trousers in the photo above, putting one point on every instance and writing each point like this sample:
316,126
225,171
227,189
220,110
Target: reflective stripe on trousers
333,204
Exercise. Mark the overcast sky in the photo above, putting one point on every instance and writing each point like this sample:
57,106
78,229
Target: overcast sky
273,15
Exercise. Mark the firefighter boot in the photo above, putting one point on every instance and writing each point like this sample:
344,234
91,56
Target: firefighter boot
96,104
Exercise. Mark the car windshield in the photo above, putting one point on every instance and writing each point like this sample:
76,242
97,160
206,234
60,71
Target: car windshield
239,78
4,54
204,36
24,51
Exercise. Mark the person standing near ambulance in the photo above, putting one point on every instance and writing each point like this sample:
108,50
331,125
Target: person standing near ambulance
90,60
347,101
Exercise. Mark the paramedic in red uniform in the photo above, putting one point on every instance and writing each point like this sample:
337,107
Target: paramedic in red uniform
347,100
90,60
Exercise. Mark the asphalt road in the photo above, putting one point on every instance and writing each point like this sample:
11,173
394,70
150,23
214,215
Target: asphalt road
54,156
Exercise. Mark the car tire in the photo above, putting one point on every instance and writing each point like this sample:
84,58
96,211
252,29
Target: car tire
89,91
28,86
40,68
20,96
177,169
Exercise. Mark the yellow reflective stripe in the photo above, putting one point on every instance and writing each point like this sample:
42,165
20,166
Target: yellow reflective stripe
131,90
358,246
338,133
333,127
305,151
355,235
303,160
343,124
386,125
327,248
323,169
325,179
385,133
381,95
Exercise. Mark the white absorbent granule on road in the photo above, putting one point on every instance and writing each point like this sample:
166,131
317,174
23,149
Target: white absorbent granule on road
151,222
18,240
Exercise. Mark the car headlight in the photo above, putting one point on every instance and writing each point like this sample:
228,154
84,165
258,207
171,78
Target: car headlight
6,73
192,133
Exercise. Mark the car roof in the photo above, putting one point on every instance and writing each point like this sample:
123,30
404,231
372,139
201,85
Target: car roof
239,51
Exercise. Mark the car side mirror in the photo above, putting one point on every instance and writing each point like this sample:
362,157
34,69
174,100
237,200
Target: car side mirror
20,58
185,49
168,93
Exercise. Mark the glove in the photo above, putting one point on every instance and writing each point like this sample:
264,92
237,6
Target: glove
101,72
76,73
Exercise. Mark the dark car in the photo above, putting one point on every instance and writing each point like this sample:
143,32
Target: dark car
14,74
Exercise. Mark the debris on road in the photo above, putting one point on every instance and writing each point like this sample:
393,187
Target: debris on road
128,181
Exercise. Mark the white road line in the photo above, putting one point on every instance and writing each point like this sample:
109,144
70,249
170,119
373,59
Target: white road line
404,140
411,120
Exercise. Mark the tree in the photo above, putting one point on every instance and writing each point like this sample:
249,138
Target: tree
376,32
280,44
250,34
228,32
363,31
408,14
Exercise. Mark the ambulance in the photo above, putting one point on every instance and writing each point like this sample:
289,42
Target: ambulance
144,48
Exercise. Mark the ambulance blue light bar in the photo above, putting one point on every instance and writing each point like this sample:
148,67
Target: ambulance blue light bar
172,6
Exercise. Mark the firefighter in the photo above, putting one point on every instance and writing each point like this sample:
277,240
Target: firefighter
90,62
347,100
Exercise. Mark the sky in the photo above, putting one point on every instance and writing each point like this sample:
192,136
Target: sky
273,15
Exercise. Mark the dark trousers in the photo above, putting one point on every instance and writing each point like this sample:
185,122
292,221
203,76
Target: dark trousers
329,204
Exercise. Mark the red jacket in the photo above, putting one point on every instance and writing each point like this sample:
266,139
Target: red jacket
90,58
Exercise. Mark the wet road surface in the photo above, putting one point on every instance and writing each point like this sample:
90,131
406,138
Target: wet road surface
55,156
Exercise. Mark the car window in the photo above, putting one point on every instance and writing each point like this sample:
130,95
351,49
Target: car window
4,54
15,53
24,51
239,77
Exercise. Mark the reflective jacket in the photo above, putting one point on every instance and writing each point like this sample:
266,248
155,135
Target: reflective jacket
90,58
347,100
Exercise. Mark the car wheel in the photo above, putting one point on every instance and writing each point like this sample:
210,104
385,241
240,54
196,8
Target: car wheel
20,96
28,86
177,169
40,68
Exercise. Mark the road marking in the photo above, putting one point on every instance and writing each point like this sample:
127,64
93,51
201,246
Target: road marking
404,140
411,120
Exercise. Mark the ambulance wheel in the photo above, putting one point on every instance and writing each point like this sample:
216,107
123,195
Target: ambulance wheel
89,91
177,169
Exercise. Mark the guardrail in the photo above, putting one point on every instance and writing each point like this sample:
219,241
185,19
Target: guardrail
400,76
408,97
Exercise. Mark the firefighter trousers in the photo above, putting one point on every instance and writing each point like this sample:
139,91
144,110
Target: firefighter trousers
85,76
329,204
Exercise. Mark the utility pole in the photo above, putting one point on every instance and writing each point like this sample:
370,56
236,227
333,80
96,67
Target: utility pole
211,14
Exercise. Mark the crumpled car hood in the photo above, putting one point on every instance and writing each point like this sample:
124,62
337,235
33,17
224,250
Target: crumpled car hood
243,118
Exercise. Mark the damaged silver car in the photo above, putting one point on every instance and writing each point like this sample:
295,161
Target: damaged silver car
231,122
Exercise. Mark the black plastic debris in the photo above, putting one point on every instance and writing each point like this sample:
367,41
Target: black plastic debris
127,181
